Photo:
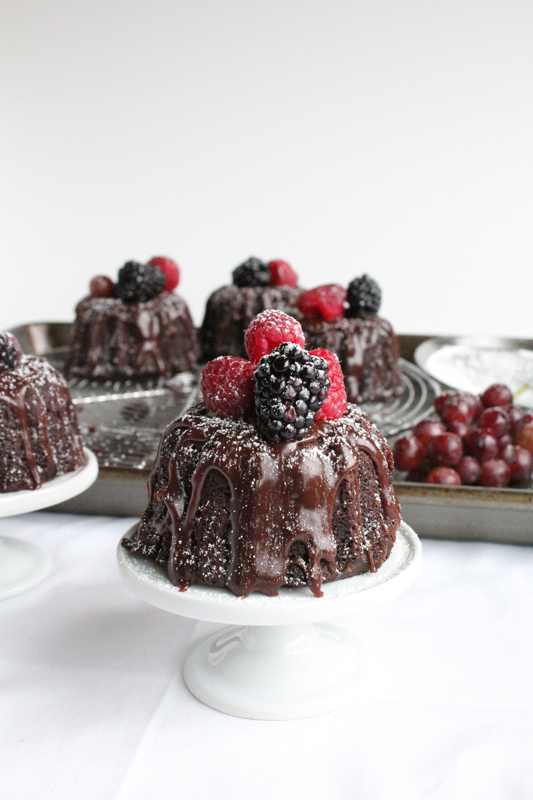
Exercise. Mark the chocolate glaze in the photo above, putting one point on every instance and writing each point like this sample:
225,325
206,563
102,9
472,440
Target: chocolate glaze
290,514
112,339
230,310
39,433
368,351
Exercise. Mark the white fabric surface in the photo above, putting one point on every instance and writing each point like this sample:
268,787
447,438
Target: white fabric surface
94,705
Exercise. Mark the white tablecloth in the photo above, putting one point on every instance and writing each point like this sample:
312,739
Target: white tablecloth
93,704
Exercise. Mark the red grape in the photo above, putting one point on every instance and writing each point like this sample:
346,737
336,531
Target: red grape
504,440
494,420
461,429
457,409
443,398
408,452
507,453
428,428
516,418
522,467
445,450
469,470
495,472
486,439
445,476
481,445
474,403
497,395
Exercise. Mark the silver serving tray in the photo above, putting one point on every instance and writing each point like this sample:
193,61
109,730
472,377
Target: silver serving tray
122,423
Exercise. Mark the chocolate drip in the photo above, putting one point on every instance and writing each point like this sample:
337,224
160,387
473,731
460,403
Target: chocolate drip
230,310
15,397
354,358
39,428
115,339
279,494
368,351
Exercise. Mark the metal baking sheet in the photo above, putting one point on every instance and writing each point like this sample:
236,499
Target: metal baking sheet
122,423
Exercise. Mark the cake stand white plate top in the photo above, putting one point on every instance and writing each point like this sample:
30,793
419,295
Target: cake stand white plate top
22,564
277,664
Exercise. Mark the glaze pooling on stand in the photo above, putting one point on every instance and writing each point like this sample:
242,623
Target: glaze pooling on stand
114,339
368,351
39,434
228,508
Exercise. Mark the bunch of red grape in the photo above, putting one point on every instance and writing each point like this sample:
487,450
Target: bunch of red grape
484,441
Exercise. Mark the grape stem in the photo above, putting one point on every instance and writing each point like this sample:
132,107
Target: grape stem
521,390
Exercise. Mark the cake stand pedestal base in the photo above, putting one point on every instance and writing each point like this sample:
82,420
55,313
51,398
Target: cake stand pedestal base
280,659
277,672
22,565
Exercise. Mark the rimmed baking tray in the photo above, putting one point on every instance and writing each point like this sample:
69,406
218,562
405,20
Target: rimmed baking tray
465,513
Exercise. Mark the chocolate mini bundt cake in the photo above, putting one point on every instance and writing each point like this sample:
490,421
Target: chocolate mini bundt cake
134,328
39,433
256,287
274,480
347,323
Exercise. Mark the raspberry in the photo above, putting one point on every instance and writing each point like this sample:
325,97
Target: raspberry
324,301
10,352
227,386
336,402
364,297
270,329
290,387
282,274
252,272
138,283
169,269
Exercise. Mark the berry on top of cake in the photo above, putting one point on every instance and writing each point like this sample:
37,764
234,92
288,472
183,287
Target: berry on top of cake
39,433
135,326
274,480
346,321
257,285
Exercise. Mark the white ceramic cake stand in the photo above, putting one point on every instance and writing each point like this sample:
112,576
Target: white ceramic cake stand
22,564
278,659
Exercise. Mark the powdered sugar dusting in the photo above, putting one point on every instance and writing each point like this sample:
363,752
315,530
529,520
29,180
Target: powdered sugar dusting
39,433
280,508
472,369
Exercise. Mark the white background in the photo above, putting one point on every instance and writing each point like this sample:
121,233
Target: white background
344,136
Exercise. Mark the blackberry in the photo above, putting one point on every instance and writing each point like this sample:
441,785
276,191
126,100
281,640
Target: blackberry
10,352
364,297
290,387
252,272
138,283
